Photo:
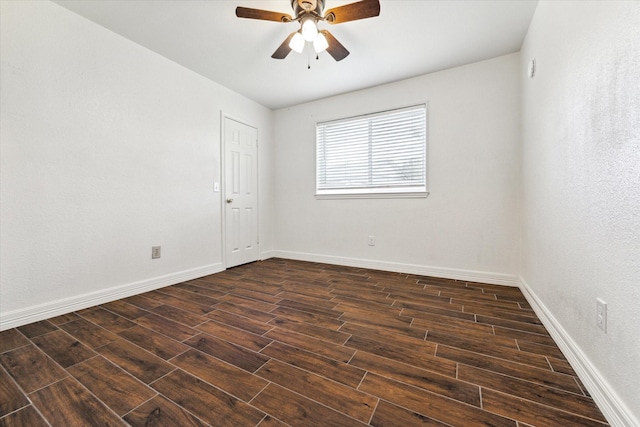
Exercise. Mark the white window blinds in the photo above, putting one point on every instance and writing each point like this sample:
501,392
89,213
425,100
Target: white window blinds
383,153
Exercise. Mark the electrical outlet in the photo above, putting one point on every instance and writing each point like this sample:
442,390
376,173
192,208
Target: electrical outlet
601,315
372,240
155,252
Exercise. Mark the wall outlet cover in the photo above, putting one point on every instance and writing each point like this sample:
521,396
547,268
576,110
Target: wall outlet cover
155,252
601,315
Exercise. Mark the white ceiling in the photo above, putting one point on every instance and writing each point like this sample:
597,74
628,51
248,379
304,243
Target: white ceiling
409,38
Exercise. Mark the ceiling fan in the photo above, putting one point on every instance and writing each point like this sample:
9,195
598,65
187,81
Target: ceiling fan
308,13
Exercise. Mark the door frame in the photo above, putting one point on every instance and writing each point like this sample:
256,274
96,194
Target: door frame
223,184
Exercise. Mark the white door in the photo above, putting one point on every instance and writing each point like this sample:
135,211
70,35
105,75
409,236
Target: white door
240,192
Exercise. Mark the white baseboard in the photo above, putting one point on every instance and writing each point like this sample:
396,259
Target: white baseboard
423,270
267,254
51,309
605,397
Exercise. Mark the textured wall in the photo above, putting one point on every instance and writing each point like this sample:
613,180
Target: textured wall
107,150
470,220
581,179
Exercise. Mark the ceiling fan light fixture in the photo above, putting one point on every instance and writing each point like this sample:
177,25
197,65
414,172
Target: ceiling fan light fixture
309,29
320,43
297,43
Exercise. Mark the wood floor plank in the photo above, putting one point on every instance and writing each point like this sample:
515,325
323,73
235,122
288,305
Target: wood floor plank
326,301
64,318
424,320
486,347
160,411
388,414
108,320
201,288
430,404
244,311
63,348
466,392
313,362
248,303
332,394
31,368
187,295
516,370
124,309
512,324
520,316
225,376
543,350
178,315
25,417
67,403
349,301
11,339
421,300
11,397
299,411
318,290
398,336
142,301
452,315
543,339
310,308
89,333
367,310
373,319
260,284
559,399
234,335
214,283
37,328
323,348
136,361
158,344
269,421
207,402
403,355
562,366
190,306
306,317
378,297
532,413
168,327
234,354
472,333
255,294
241,322
336,337
113,386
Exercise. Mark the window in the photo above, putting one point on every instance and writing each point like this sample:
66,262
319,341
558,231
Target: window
377,155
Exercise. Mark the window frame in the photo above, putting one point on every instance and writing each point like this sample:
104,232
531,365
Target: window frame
374,192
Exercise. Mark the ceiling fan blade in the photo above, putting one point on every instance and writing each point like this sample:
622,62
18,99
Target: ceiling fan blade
353,11
335,48
284,49
265,15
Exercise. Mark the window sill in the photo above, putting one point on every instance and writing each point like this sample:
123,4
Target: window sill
413,195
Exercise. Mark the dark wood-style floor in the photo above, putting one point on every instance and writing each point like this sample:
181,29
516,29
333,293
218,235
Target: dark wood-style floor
288,343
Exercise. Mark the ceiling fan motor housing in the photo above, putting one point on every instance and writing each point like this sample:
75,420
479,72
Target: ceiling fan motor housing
307,6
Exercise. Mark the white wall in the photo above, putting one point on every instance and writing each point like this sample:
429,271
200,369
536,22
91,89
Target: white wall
581,190
106,150
468,225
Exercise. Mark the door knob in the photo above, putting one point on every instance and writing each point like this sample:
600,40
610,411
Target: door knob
229,200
